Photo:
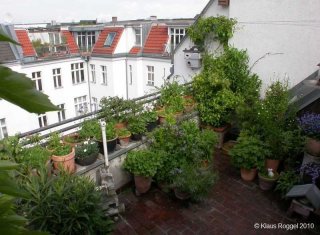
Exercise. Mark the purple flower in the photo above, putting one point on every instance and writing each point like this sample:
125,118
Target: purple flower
310,125
312,169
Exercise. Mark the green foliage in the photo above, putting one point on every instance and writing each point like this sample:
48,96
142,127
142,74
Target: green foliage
171,96
18,89
90,128
221,27
143,162
86,149
10,147
64,204
53,141
123,132
110,131
249,152
137,124
62,150
73,139
286,181
117,109
193,181
149,116
33,157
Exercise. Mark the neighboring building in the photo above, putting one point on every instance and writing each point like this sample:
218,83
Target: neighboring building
281,36
77,65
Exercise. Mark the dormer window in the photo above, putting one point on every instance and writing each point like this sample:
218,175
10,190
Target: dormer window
110,39
137,32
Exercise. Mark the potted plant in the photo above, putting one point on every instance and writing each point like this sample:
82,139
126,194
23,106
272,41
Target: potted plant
72,139
64,156
190,182
311,173
124,136
86,153
267,178
117,109
310,125
92,129
248,154
137,126
286,181
53,141
151,119
143,164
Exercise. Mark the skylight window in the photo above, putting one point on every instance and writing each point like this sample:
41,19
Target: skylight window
109,39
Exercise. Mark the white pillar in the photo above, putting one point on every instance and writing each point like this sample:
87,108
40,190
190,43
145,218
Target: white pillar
104,141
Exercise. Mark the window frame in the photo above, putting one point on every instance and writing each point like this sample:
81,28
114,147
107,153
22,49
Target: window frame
61,113
43,120
3,129
36,78
150,75
57,81
79,103
77,73
109,40
104,73
93,73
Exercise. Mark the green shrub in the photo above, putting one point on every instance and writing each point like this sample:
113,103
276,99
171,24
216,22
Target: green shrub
86,149
286,181
142,162
34,157
62,150
249,152
64,204
137,125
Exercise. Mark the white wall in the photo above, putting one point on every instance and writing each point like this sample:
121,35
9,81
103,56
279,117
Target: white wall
287,27
288,30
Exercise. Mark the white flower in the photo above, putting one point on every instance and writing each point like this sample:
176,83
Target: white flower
85,142
85,150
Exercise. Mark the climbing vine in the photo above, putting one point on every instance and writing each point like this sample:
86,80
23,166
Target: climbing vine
221,27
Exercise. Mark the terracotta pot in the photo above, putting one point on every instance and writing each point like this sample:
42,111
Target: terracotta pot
181,195
120,125
222,128
248,174
67,162
124,140
87,160
273,164
313,147
162,119
266,183
142,183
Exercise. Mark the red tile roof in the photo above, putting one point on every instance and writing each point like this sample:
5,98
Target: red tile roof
25,42
99,47
157,38
73,47
135,50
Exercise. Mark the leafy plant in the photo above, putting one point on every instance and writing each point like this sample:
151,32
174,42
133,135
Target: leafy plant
193,181
249,152
286,181
53,141
33,157
73,138
142,162
90,128
149,116
64,204
123,132
137,125
62,150
220,28
171,96
86,149
116,108
110,131
311,169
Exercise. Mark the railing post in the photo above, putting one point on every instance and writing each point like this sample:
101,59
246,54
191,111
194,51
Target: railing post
104,141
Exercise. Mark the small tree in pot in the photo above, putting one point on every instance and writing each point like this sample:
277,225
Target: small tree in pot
137,126
248,154
143,164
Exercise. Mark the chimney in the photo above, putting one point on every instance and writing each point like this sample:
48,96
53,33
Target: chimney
153,18
114,19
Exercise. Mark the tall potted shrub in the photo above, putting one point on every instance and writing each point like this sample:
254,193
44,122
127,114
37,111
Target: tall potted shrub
248,154
143,164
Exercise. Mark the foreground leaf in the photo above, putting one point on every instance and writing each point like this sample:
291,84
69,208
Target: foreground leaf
19,90
5,38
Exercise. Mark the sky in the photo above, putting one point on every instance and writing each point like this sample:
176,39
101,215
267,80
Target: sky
40,11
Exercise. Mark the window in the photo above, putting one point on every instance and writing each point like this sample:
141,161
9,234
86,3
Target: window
80,104
86,40
109,39
77,73
138,36
176,34
130,74
36,77
94,104
3,128
57,78
93,73
150,81
104,75
42,120
61,113
54,38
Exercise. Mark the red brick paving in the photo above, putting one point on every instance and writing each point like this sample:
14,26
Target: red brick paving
233,207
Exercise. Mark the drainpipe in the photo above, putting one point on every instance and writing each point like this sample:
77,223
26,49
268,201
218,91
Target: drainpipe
86,59
104,141
127,88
